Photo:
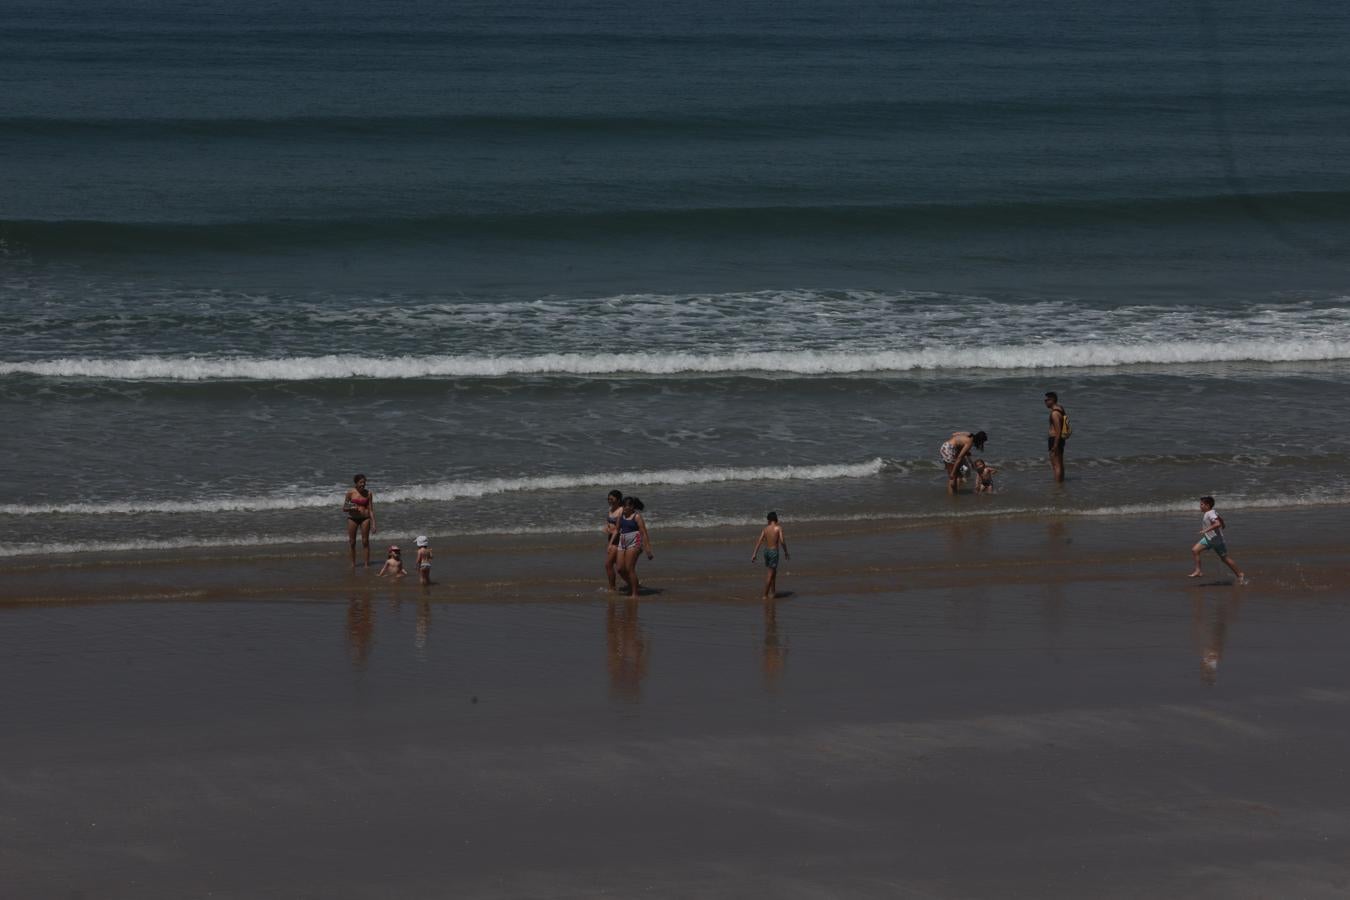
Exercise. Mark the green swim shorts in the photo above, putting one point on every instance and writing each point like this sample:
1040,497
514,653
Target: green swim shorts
770,559
1216,544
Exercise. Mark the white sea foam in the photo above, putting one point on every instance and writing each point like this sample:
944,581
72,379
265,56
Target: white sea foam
792,363
459,490
242,541
1180,507
813,333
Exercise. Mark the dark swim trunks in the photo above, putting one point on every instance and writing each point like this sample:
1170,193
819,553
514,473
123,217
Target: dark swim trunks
770,559
1050,441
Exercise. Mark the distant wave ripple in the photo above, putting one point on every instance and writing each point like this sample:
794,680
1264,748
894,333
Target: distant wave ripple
798,363
690,222
459,490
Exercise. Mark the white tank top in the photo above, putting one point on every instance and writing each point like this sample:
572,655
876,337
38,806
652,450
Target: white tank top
1212,530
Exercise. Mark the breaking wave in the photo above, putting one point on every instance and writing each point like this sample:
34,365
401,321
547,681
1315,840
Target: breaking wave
801,363
466,489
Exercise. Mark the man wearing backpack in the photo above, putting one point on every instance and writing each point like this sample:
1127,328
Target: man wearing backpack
1059,433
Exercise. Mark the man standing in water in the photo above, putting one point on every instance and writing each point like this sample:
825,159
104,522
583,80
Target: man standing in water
1059,433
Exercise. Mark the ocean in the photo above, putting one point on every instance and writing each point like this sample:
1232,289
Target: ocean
502,258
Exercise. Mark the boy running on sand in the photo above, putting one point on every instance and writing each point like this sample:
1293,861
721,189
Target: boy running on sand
1211,531
771,539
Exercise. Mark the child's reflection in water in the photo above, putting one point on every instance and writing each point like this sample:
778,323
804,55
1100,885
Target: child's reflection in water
361,612
360,629
775,649
1210,633
423,628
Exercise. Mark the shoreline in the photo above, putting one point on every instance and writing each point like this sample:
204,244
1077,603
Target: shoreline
309,545
1278,547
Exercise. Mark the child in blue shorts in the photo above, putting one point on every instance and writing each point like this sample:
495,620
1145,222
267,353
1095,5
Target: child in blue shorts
772,540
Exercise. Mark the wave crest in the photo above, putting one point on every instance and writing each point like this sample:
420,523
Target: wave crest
794,363
696,222
468,489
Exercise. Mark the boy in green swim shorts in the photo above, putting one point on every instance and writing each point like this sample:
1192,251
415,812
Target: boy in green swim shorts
772,540
1211,538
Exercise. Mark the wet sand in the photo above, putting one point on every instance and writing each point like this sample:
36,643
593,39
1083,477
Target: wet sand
999,708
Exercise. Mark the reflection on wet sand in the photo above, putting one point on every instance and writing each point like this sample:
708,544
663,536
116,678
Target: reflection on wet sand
360,629
966,543
1053,613
1210,633
966,540
423,628
775,649
361,614
627,650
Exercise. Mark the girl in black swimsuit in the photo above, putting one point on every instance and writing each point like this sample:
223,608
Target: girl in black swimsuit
633,541
612,537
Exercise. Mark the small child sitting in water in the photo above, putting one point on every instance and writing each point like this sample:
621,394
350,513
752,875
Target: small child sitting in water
984,477
393,564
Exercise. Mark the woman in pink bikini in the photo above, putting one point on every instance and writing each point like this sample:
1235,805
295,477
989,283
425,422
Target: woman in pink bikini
359,505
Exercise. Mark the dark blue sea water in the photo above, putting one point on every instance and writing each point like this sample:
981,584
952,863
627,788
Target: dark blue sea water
502,257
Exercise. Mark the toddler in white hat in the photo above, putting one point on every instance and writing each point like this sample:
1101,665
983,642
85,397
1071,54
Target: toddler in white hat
423,558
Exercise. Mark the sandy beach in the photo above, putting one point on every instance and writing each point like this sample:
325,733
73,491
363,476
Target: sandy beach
1010,707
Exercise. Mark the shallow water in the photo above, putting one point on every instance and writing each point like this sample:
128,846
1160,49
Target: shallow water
504,260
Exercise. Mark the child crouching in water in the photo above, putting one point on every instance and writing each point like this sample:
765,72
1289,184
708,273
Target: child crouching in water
984,477
771,539
423,559
393,564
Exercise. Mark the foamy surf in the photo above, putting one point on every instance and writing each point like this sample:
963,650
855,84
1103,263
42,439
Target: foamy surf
466,489
804,363
277,542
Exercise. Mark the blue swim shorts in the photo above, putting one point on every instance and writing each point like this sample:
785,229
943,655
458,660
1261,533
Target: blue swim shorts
1216,544
770,559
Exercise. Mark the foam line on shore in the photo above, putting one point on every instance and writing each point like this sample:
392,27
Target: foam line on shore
466,489
682,523
803,363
